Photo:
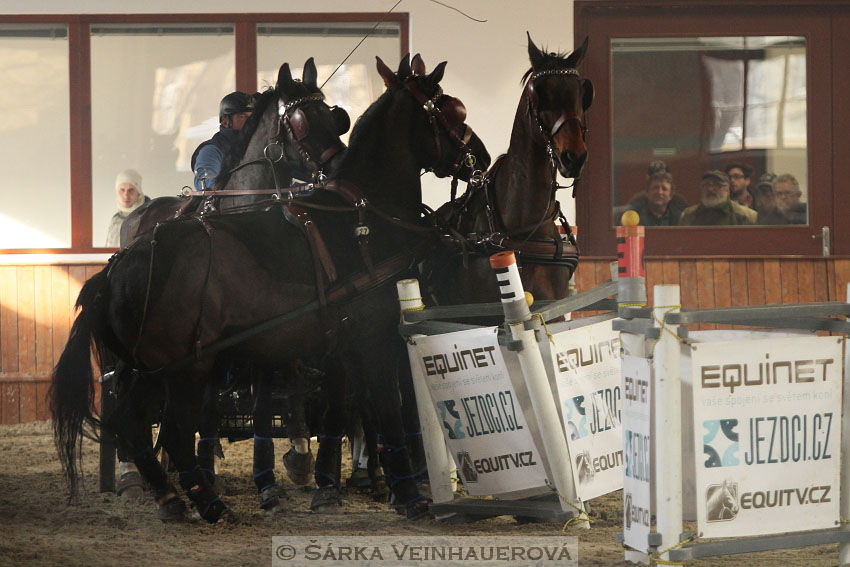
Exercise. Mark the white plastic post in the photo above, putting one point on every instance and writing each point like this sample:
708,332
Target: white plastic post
844,506
534,372
432,434
668,420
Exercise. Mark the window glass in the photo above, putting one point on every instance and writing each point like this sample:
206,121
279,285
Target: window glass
35,137
155,95
356,84
710,130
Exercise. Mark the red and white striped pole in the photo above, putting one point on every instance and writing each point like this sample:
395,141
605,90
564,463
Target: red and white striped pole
517,314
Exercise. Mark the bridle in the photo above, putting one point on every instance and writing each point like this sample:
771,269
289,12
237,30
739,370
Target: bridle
293,119
450,113
297,125
549,134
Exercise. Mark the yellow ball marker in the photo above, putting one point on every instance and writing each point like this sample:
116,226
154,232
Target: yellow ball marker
529,298
630,218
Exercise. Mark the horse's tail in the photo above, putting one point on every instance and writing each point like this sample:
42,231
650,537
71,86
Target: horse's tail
72,388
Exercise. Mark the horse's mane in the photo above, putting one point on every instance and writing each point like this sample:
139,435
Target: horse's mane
240,144
359,131
552,61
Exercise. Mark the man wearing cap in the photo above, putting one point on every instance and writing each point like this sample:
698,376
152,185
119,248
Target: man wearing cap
234,110
715,207
765,201
128,193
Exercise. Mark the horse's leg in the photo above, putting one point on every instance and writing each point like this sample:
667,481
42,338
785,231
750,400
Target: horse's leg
298,461
209,444
131,424
379,367
180,422
380,490
264,478
327,473
410,415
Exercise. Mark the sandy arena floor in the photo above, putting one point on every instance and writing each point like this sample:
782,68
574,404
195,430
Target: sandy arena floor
39,528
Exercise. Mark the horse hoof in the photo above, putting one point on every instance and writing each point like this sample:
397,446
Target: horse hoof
380,490
270,496
130,486
299,466
417,508
359,479
172,510
227,517
326,500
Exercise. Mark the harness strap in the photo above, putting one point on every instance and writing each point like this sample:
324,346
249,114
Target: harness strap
321,257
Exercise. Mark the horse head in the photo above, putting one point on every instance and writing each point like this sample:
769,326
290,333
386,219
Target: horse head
313,126
557,100
451,147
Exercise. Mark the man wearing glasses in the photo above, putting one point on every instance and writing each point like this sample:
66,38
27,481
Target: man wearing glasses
715,206
740,182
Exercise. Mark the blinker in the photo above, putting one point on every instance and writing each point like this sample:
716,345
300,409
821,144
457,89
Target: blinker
341,120
453,111
300,125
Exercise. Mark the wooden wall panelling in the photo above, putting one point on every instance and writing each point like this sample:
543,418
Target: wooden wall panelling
772,282
670,271
8,319
788,279
62,305
26,320
805,281
841,275
43,320
705,287
654,276
755,282
739,283
820,279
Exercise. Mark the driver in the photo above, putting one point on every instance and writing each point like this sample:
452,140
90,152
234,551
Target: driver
234,111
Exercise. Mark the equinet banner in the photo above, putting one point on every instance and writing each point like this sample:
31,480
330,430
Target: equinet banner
767,435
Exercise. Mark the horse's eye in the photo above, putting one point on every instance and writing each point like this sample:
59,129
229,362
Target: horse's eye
453,111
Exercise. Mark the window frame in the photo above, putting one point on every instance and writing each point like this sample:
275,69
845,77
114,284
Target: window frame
79,73
601,20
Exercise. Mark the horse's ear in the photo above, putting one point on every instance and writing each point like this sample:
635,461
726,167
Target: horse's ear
386,73
404,67
284,76
577,56
436,76
534,54
418,65
309,75
586,94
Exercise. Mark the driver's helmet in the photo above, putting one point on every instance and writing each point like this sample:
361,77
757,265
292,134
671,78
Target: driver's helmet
236,101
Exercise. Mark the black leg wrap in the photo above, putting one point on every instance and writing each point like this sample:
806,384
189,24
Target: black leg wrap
401,479
208,504
152,471
263,462
328,462
206,457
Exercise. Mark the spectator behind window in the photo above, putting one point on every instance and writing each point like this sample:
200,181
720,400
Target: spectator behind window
658,204
715,207
787,191
740,183
129,197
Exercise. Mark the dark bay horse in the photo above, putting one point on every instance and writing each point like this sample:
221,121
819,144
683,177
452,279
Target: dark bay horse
515,207
324,266
292,132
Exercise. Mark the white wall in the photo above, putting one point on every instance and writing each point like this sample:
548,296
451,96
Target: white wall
486,60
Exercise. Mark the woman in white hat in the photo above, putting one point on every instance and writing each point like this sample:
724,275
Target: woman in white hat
129,195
